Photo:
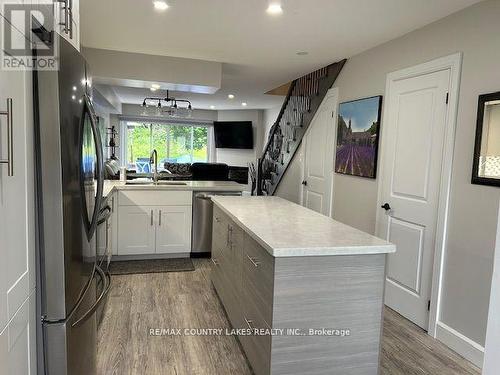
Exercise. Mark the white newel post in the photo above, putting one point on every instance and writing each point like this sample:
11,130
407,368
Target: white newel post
492,346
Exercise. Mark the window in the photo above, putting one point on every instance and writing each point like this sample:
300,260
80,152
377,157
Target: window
175,143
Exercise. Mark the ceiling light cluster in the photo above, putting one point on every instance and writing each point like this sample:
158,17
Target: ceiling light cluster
274,8
173,109
231,96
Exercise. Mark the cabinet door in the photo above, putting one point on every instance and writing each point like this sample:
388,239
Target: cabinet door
114,224
136,225
173,231
68,22
18,341
17,236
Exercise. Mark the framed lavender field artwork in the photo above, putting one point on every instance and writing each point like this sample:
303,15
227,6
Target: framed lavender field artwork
357,137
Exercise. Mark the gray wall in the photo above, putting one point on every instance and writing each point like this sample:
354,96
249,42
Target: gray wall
473,209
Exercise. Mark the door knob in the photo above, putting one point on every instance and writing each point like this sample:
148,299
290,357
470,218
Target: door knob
386,206
304,183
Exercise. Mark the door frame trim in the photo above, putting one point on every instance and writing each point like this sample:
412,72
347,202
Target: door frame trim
331,93
453,63
492,345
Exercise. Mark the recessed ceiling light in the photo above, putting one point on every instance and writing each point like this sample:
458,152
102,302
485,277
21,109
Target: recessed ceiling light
244,104
230,96
274,8
160,5
212,107
302,53
155,86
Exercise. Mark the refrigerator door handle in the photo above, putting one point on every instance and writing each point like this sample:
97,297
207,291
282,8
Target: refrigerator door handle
88,109
106,279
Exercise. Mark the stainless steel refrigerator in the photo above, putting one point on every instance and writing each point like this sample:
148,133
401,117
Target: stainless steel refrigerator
69,170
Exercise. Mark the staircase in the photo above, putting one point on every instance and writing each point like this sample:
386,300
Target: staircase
301,103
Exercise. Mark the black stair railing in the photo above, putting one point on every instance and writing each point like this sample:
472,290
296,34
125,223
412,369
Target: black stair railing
299,107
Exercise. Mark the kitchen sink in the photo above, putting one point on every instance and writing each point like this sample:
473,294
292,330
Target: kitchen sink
174,183
147,181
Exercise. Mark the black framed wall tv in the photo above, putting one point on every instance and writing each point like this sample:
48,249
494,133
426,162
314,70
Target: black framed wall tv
233,134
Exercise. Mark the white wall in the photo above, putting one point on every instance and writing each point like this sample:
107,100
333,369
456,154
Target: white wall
473,209
236,157
269,117
137,69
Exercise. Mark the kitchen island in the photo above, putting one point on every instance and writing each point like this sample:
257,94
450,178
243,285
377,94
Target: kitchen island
310,287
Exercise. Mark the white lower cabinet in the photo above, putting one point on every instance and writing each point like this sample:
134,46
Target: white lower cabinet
153,229
173,231
136,230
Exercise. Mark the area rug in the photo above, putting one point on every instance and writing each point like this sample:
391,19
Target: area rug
128,267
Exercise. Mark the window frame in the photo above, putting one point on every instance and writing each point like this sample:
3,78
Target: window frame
151,121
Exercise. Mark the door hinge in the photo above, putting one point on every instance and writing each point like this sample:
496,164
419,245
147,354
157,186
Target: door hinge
447,97
429,305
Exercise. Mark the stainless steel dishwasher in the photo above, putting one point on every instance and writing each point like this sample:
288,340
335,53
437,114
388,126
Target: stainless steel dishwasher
202,221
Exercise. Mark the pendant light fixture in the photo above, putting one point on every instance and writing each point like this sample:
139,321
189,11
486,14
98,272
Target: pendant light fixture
171,106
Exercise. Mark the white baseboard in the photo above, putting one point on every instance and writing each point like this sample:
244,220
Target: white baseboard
463,345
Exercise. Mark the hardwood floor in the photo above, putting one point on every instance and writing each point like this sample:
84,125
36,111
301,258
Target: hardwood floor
138,303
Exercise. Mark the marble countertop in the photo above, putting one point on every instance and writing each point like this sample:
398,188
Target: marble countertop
113,185
286,229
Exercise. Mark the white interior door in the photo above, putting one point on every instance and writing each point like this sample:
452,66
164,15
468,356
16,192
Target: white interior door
492,346
413,141
318,160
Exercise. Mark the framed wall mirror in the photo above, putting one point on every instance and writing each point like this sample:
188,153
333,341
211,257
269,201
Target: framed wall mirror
486,165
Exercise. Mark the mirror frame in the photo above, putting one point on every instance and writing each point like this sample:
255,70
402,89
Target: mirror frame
476,179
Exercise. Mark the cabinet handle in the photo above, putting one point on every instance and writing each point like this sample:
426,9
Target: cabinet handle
70,19
66,15
214,261
217,220
254,261
249,324
151,217
229,235
10,139
159,218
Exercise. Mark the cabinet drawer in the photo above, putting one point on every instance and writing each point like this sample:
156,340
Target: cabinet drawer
258,279
154,198
257,348
216,275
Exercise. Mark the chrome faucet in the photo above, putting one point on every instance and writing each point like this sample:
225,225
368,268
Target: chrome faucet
154,160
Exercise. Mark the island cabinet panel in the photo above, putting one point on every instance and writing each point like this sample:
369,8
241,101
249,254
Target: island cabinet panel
258,280
333,292
320,293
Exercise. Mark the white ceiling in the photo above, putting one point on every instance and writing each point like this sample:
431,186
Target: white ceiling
258,50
